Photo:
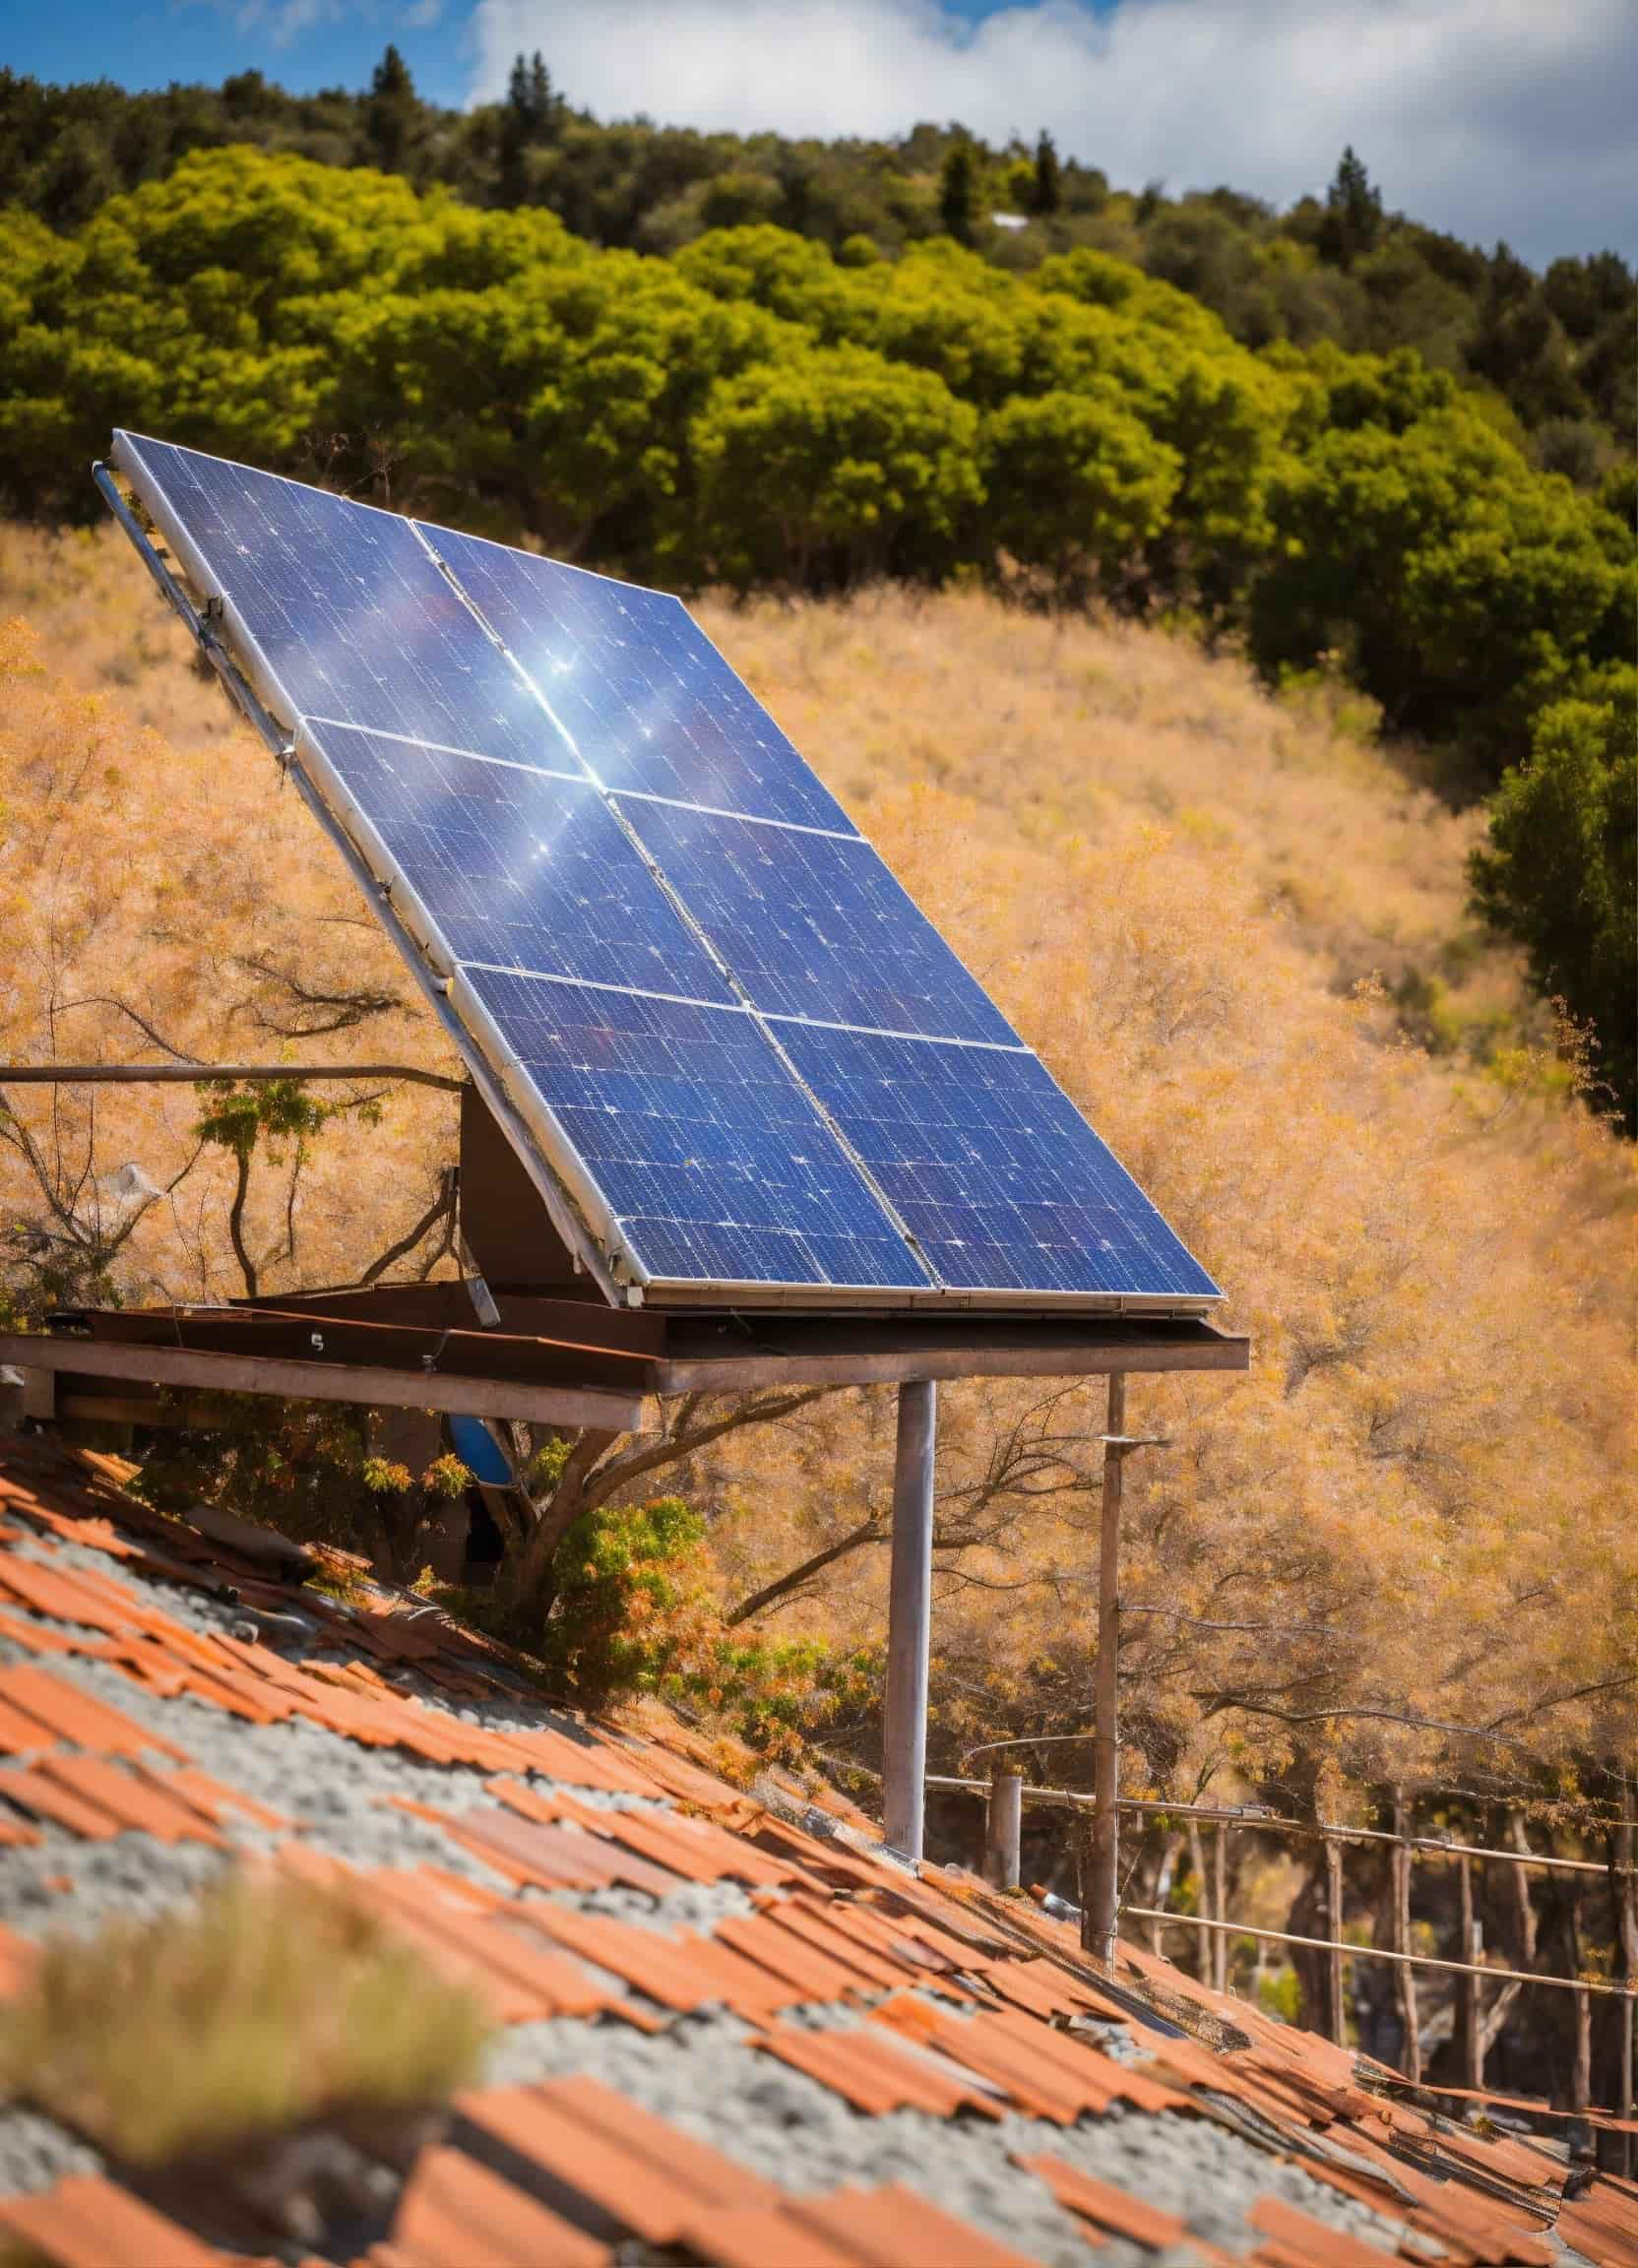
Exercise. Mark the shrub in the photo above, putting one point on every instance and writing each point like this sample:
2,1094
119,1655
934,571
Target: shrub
269,2005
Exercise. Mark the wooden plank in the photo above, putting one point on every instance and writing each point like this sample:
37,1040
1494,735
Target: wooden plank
585,1318
373,1386
280,1335
885,1355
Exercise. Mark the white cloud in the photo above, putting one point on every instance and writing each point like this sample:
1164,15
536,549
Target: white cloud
1493,118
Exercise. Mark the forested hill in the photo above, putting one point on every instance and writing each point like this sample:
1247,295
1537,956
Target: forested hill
1560,348
1352,446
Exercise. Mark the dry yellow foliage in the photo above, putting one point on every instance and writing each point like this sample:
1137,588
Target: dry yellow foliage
1401,1547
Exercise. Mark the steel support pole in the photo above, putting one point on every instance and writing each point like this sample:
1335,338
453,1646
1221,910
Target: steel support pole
1004,1829
1336,2005
1099,1909
910,1620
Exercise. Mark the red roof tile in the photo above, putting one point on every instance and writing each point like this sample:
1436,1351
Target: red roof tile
454,2213
609,2159
1106,2207
893,2226
763,2237
89,2223
46,1800
68,1714
133,1802
875,2073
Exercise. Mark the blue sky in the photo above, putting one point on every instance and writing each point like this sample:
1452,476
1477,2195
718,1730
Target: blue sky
1493,118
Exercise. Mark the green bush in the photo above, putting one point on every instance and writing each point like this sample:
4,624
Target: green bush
1559,871
634,1612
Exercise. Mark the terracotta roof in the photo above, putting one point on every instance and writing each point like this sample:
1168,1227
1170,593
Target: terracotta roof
609,1884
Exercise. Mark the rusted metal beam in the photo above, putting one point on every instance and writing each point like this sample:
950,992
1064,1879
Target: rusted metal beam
372,1385
1378,1953
193,1074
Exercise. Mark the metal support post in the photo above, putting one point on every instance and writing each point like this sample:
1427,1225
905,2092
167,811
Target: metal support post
1401,1941
1336,2003
1004,1828
1101,1903
1628,1934
1469,2030
910,1620
1220,1905
1581,2070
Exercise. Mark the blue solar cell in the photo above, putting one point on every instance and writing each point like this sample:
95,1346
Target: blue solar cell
519,870
506,793
350,613
814,925
639,687
1000,1178
716,1165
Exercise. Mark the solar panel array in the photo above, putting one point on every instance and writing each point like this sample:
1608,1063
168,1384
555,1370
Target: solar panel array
725,1023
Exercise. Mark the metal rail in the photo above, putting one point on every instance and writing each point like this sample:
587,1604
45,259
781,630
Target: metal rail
1251,1817
194,1074
1380,1953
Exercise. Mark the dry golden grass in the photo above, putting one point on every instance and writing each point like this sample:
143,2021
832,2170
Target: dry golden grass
1421,1496
269,2005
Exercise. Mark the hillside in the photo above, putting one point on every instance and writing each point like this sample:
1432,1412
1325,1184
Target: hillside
1181,891
752,410
1558,348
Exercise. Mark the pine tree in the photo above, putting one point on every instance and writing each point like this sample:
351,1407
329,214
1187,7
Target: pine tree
1048,193
391,113
958,191
1352,213
528,121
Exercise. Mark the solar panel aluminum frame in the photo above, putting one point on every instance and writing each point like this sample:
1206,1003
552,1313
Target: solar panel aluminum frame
576,1206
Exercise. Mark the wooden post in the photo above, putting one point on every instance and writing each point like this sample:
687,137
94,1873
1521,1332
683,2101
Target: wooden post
1220,1905
1204,1960
1336,2008
910,1621
1626,1907
1403,1857
1581,2077
1100,1910
1003,1828
1469,2029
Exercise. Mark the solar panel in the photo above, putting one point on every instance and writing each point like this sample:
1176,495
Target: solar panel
815,926
715,1165
638,686
992,1167
516,868
727,1034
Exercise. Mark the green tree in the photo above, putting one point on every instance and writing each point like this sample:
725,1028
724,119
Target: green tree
530,122
1046,194
830,465
1352,213
1463,589
1076,484
1559,871
958,192
391,113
